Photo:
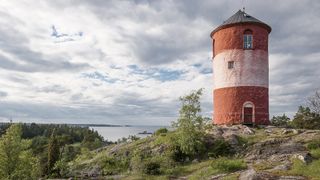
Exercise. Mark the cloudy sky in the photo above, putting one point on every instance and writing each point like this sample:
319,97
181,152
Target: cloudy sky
128,61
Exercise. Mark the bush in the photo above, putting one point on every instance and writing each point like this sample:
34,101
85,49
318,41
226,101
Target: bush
220,148
226,165
161,131
113,165
314,144
281,121
306,119
152,168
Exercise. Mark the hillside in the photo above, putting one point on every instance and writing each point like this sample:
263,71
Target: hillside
235,152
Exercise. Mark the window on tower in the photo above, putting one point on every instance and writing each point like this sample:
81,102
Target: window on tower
230,64
247,39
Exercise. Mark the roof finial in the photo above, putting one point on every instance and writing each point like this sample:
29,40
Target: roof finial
243,9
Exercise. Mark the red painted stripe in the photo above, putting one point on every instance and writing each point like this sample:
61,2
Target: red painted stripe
228,104
232,38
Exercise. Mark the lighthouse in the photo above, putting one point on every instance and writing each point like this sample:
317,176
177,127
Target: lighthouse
241,71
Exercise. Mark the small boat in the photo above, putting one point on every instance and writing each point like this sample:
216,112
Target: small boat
145,132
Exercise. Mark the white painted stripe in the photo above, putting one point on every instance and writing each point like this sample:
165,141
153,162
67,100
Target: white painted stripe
250,68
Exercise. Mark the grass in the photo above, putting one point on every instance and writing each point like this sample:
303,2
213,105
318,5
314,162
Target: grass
314,144
315,153
227,165
234,176
298,168
264,165
220,165
311,170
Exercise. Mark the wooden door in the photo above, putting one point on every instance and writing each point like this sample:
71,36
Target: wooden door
248,115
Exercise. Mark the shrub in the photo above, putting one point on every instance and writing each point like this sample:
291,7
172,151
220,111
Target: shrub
152,168
281,121
226,165
113,165
314,144
220,148
161,131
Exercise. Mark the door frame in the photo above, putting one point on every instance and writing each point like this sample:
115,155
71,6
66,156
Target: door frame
248,104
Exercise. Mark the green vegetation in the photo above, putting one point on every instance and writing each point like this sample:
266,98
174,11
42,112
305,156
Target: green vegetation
309,170
306,119
190,125
53,155
16,159
29,151
281,121
194,150
185,151
161,131
228,165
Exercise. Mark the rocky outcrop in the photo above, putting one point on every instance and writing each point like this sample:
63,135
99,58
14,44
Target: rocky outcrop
251,174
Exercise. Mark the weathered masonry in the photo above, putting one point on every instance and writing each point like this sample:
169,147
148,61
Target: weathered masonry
241,71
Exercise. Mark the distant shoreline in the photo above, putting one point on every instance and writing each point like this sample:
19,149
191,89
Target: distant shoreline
84,125
67,124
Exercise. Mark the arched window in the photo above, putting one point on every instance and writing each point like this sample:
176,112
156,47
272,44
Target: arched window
247,39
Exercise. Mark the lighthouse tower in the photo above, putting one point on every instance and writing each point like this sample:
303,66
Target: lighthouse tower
241,71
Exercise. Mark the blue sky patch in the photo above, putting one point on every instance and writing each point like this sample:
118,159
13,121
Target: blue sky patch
99,76
157,73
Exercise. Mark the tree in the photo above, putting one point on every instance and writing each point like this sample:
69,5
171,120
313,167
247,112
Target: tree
306,119
190,124
282,121
314,102
53,153
16,160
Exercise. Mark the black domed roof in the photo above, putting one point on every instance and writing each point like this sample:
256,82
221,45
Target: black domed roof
241,17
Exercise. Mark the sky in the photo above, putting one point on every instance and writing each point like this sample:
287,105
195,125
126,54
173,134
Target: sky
129,61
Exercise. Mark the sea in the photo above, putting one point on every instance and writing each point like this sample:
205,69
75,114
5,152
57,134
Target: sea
115,133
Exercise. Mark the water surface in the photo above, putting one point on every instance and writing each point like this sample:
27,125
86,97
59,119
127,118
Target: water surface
115,133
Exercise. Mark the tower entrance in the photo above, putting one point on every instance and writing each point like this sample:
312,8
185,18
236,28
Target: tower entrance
248,113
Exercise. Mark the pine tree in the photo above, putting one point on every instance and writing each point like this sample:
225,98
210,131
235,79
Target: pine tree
53,154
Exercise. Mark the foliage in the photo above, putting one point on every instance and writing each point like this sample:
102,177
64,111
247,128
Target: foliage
315,153
69,139
306,119
314,144
190,125
228,165
308,170
91,141
314,102
281,121
219,148
161,131
65,133
53,154
113,165
16,160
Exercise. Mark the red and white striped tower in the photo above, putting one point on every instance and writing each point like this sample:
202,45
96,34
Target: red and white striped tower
241,71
